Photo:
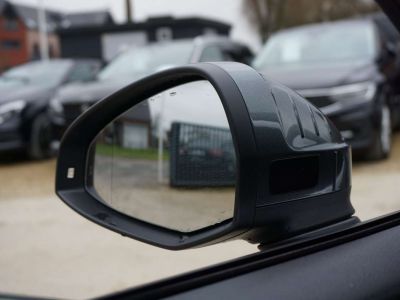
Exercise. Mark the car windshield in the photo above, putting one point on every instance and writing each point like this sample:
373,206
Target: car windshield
313,45
147,59
49,73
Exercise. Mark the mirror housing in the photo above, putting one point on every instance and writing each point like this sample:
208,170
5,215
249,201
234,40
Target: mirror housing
293,167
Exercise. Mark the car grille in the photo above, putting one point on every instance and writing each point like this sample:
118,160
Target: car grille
320,101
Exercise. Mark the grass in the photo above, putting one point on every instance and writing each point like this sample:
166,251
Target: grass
146,154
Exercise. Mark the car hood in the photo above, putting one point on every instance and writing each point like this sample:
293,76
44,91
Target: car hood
89,91
28,93
321,76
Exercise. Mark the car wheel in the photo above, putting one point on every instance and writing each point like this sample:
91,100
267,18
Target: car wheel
383,141
39,145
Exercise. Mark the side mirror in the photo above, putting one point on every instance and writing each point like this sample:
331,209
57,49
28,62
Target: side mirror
202,154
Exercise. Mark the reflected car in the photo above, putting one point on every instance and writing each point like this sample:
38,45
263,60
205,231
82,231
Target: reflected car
25,92
346,68
70,101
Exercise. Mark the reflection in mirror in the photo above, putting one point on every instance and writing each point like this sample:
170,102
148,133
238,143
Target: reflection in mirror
169,160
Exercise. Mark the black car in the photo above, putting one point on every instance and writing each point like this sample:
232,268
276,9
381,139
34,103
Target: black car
353,85
71,100
25,92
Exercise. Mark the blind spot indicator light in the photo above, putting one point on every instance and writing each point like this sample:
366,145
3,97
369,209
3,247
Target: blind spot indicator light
71,173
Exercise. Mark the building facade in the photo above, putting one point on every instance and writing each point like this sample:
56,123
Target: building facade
19,31
87,34
105,42
13,48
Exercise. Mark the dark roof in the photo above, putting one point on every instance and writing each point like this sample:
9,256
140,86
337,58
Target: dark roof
141,113
87,19
56,20
7,9
29,16
150,23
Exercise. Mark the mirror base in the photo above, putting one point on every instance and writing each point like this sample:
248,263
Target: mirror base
326,230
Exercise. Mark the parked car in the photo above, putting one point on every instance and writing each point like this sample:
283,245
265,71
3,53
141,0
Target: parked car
25,92
354,85
71,100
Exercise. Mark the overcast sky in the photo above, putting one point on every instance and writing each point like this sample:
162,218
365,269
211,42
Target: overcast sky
229,11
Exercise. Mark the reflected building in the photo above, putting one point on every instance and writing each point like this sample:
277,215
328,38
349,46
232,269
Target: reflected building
133,129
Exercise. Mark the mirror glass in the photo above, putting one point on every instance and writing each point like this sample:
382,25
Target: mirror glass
169,160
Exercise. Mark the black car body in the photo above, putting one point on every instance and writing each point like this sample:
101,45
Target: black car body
71,100
25,92
354,85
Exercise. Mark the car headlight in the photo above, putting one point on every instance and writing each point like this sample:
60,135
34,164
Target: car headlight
362,91
55,105
11,109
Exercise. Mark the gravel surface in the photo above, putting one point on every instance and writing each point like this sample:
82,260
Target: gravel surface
48,250
376,185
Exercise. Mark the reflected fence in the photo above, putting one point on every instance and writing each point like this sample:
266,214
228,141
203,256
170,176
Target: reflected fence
201,156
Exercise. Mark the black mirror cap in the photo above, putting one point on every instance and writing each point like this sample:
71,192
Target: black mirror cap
293,168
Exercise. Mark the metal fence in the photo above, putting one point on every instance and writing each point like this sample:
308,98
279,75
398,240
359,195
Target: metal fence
201,156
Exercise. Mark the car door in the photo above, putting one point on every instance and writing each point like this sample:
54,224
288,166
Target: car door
360,262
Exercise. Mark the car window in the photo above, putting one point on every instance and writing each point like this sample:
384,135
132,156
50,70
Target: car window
83,72
311,45
141,61
48,73
212,53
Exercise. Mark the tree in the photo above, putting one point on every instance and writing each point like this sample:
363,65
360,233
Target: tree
269,16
